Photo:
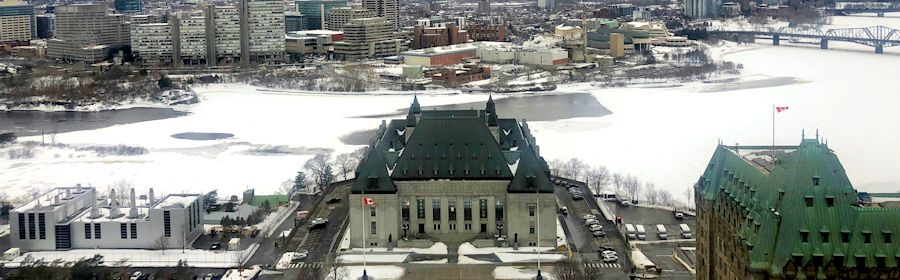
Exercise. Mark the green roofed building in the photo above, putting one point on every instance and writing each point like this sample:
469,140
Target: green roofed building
453,175
799,218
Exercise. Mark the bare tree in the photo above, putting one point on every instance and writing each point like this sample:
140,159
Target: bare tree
345,163
598,178
320,168
665,198
337,270
568,269
651,193
689,197
162,243
360,154
123,188
574,168
631,185
556,166
617,181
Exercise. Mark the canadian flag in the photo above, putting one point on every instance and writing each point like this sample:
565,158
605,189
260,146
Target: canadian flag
368,201
781,109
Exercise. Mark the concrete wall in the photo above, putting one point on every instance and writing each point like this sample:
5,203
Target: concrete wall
520,221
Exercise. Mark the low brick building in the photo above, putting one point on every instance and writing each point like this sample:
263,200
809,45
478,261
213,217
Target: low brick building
461,75
437,56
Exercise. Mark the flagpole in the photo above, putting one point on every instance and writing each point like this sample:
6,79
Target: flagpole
774,160
364,232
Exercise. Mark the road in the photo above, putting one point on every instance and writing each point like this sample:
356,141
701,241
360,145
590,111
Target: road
318,241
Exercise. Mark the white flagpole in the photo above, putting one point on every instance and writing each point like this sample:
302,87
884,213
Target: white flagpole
774,160
364,230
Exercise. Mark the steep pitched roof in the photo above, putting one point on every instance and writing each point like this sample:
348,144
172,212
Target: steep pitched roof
807,195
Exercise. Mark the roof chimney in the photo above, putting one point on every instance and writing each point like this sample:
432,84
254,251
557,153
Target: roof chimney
56,199
68,194
133,212
150,197
78,188
94,212
113,204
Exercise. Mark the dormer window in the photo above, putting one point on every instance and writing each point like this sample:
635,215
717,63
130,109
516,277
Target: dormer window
428,157
816,180
420,172
867,237
474,156
482,171
809,201
498,171
466,171
435,171
804,236
829,201
443,156
490,156
458,156
451,171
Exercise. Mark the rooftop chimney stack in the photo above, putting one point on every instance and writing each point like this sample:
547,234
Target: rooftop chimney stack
113,204
78,188
150,197
94,212
56,199
133,212
68,193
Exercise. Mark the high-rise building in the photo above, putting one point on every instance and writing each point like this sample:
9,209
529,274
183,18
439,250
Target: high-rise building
487,30
315,12
17,21
453,181
387,9
128,6
223,33
484,7
45,24
190,39
87,33
338,17
699,9
368,38
293,21
262,31
794,217
546,4
153,43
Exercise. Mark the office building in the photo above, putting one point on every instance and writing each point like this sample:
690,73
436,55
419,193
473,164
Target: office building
368,38
484,7
87,33
546,4
45,25
153,43
425,36
293,21
319,42
387,9
641,14
315,12
493,30
453,175
439,56
792,216
262,31
75,218
700,9
223,33
340,16
17,21
128,6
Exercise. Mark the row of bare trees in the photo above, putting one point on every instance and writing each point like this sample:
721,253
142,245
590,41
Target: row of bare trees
325,168
600,178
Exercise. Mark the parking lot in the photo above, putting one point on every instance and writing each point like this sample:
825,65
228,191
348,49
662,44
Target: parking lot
649,218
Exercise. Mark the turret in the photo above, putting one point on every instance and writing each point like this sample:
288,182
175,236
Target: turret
412,118
492,120
133,212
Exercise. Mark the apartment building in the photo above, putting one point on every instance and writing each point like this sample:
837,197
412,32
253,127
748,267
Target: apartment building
17,21
368,38
387,9
87,33
338,17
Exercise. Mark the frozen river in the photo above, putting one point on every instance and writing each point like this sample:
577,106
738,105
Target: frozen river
663,135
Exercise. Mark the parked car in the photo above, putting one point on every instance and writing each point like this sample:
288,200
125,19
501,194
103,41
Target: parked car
215,246
577,196
136,275
605,247
299,256
564,210
609,253
599,233
589,216
209,276
595,227
333,200
610,258
318,223
592,222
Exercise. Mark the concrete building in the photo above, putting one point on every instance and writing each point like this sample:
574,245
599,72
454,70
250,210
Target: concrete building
87,33
340,16
700,9
484,7
795,217
315,11
74,218
191,39
45,24
453,176
542,56
641,14
223,33
632,40
616,45
262,31
293,21
439,35
731,9
387,9
368,38
17,21
487,31
153,43
128,6
508,53
438,56
321,42
546,4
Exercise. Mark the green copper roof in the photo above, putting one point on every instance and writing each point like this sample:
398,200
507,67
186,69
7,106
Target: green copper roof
800,210
453,145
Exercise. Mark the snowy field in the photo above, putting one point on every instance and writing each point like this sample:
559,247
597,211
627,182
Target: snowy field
661,134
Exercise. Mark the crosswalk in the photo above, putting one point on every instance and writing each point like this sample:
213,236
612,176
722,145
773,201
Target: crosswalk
304,265
602,265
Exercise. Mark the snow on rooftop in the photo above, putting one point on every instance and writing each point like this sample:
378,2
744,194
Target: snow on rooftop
46,200
176,201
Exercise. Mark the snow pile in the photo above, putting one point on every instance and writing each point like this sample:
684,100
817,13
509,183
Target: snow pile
372,258
512,272
380,272
438,248
469,249
145,258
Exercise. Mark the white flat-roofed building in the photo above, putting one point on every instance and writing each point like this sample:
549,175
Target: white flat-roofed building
65,218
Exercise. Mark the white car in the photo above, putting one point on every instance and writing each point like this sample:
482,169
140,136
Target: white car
679,215
610,258
299,256
136,275
592,222
609,253
596,227
588,217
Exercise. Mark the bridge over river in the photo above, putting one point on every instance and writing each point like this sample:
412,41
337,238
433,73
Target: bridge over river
878,37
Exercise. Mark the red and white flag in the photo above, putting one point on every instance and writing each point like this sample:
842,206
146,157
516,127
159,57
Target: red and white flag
781,109
368,201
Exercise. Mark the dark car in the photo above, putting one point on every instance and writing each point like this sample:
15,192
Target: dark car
604,248
333,200
215,246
